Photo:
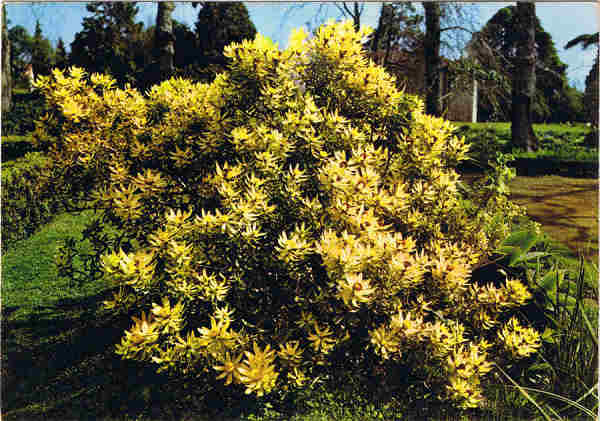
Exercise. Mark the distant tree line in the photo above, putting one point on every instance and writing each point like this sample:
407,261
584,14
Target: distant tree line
111,41
405,31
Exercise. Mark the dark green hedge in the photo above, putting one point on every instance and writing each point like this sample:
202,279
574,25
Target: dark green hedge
563,150
29,200
14,147
25,110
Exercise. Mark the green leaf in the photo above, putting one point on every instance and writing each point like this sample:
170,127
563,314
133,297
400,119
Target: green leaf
532,255
591,330
540,367
517,244
547,336
550,280
564,300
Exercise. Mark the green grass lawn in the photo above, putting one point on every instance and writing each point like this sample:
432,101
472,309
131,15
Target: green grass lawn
30,285
562,143
503,128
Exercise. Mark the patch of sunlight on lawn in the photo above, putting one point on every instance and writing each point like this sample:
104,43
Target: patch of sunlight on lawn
30,283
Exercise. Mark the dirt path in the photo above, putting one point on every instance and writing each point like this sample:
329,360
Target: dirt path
567,208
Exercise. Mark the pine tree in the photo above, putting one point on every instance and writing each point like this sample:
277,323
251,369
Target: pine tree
220,24
61,60
108,41
41,52
497,50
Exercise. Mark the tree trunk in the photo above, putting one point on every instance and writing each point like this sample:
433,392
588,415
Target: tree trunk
164,38
523,83
379,30
432,58
6,71
354,13
356,17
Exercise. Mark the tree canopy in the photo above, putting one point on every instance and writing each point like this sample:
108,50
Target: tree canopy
107,43
220,24
20,48
61,56
28,49
495,47
42,53
398,28
590,97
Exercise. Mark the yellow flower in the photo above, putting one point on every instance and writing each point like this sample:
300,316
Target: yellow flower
217,337
322,340
258,372
385,342
290,352
144,330
519,341
297,377
354,290
230,369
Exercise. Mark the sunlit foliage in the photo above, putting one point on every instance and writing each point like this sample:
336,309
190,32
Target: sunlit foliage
297,210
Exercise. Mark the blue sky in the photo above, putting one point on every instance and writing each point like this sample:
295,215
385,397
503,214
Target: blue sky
563,20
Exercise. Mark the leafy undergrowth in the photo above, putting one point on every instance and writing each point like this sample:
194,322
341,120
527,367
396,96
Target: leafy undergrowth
29,160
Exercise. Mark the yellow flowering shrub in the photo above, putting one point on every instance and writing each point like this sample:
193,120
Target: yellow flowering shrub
297,209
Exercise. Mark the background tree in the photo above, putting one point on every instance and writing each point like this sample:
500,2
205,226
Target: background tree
164,41
354,11
110,41
42,53
6,65
186,48
431,44
218,25
20,52
523,81
590,97
398,29
495,48
61,58
447,25
26,49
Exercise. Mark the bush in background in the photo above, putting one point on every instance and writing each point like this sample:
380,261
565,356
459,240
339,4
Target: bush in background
14,147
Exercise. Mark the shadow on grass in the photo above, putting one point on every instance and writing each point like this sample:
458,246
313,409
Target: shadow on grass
565,207
64,368
545,197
